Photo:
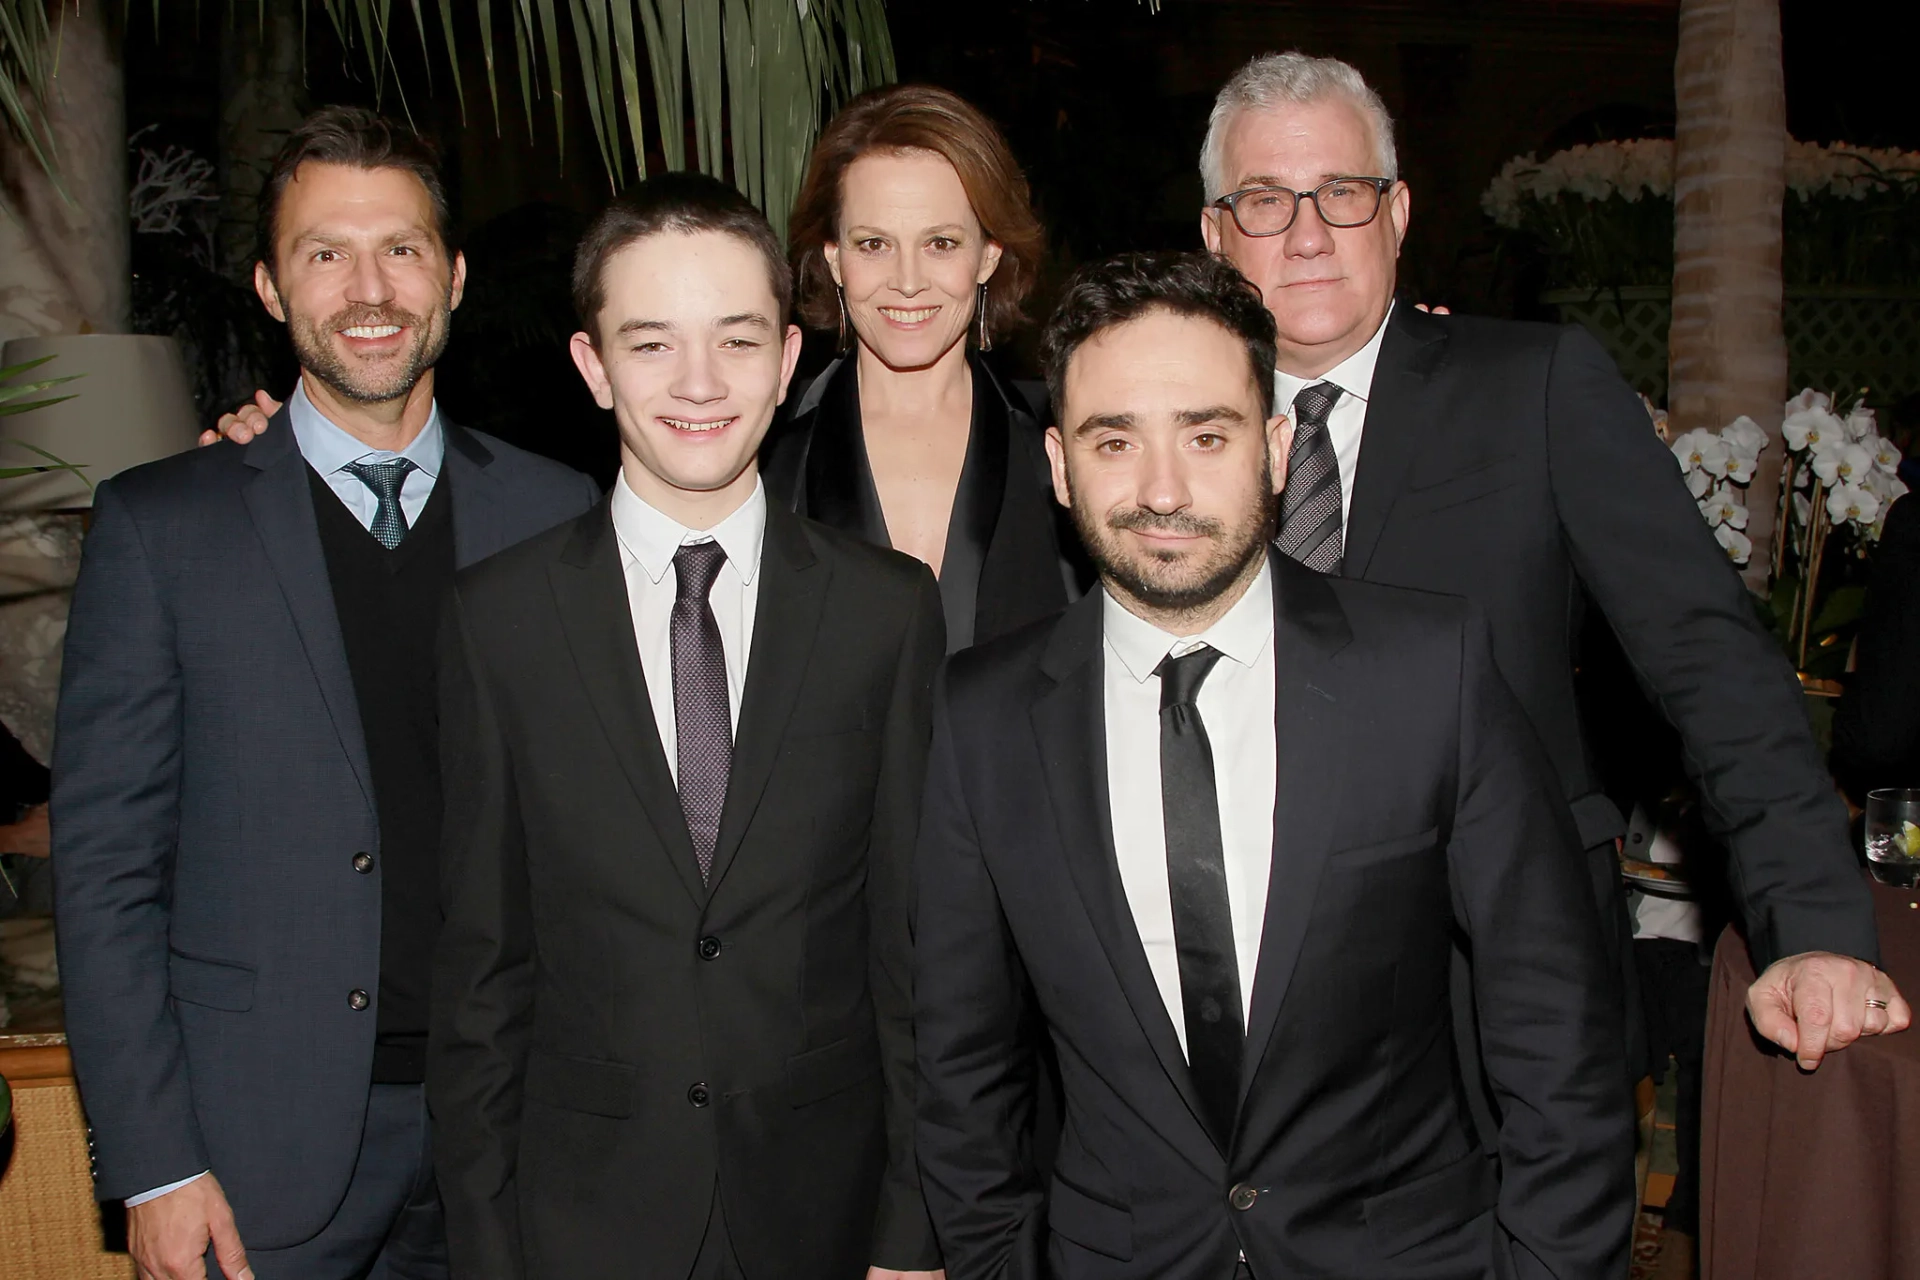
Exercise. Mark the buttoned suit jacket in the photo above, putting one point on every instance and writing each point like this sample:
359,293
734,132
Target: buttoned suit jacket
615,1038
211,791
1412,808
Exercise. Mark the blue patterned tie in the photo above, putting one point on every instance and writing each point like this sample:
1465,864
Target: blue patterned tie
702,715
1310,525
385,478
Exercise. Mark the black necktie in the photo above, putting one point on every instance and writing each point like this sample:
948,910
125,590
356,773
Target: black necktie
1310,508
702,718
385,479
1197,877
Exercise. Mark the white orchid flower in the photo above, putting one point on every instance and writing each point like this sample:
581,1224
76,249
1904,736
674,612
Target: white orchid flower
1808,399
1842,464
1802,509
1859,422
1744,435
1738,465
1886,454
1703,457
1737,545
1724,508
1850,504
1813,427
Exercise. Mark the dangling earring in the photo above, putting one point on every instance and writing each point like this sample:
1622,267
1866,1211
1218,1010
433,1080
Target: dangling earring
986,342
846,343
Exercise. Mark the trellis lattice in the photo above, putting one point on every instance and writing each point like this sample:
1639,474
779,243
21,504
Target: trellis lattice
1838,340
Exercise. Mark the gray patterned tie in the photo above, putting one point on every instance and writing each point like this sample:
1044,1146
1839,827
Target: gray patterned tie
385,478
1310,529
702,718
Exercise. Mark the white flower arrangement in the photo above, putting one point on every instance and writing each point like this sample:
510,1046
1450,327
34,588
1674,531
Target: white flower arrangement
1642,167
1718,466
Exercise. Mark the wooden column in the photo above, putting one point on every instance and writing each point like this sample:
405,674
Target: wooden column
1727,350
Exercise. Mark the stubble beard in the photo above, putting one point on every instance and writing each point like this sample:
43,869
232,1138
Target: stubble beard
391,380
1171,590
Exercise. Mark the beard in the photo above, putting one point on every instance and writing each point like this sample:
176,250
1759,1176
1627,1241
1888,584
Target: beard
386,381
1167,580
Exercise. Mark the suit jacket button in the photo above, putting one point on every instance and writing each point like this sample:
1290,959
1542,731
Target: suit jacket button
1242,1197
699,1096
358,1000
363,863
709,948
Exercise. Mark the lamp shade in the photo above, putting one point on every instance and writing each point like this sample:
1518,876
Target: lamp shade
131,404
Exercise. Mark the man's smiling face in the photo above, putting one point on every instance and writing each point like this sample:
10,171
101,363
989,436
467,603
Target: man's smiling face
362,279
692,355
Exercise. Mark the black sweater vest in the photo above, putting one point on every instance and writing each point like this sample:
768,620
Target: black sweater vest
388,604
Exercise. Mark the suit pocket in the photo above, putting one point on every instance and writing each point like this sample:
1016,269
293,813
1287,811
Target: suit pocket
1386,850
215,984
1431,1205
830,1069
581,1084
1465,486
1088,1222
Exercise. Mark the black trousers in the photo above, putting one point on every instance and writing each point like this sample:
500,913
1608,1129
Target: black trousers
1674,986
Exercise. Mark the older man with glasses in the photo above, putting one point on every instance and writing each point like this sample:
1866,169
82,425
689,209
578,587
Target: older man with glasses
1509,463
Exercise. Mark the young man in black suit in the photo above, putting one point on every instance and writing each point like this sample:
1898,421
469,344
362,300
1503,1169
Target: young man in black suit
1220,824
246,798
684,738
1510,463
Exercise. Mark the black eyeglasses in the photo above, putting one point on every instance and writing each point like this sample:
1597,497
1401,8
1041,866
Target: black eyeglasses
1341,202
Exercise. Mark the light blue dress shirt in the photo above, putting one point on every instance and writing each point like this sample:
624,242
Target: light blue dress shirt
328,450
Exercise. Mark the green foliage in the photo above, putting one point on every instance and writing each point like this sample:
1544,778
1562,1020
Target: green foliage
760,73
11,402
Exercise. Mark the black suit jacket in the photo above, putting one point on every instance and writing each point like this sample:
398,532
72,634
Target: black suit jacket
1510,464
210,793
1003,566
1876,727
1412,806
611,1037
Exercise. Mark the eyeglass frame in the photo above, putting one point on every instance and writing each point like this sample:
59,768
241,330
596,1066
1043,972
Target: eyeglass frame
1231,201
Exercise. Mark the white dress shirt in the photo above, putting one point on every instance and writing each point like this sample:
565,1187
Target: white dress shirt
1348,420
1237,707
648,540
328,450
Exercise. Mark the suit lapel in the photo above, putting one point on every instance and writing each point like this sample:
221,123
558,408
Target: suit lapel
838,480
590,592
1397,416
280,500
786,624
1069,721
477,528
1309,629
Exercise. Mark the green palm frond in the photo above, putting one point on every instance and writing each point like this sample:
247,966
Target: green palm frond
759,76
12,401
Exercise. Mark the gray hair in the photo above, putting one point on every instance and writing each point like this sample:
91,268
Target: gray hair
1295,78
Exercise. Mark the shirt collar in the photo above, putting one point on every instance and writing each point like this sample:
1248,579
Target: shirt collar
328,448
1354,375
650,537
1242,634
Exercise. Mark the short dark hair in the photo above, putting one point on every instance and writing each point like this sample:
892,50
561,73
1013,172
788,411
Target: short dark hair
362,139
672,202
1102,295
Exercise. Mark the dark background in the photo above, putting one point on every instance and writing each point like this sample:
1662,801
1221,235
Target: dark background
1105,104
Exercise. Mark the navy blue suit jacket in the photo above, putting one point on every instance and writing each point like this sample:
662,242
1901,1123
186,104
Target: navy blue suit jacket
210,791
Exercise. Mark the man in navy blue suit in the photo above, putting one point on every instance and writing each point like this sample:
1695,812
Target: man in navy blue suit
246,795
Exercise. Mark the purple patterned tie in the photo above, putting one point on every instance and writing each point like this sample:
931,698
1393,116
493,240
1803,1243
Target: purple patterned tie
702,718
1310,529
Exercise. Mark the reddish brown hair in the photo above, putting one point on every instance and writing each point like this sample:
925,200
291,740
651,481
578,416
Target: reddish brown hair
917,117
